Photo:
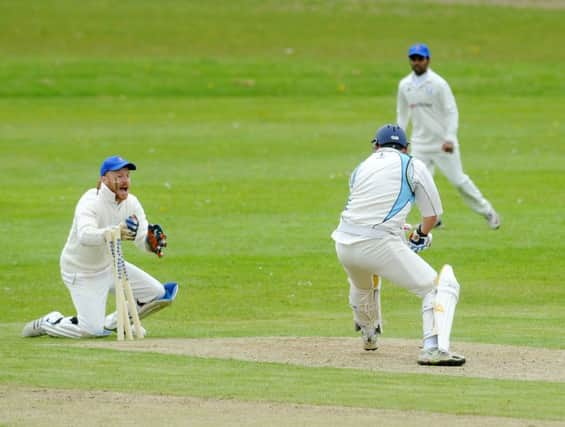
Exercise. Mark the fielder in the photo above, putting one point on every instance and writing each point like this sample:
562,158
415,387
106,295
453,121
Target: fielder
371,245
426,99
86,265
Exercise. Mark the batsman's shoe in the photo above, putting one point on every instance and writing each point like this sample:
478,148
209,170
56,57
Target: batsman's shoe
370,337
493,220
35,327
436,357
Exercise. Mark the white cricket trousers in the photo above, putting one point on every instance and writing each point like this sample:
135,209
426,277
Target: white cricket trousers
391,259
89,293
451,166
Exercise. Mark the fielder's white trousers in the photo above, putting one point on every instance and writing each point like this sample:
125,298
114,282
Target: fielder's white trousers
451,166
89,293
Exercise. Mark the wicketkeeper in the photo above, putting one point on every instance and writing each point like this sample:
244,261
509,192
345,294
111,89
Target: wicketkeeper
86,265
371,245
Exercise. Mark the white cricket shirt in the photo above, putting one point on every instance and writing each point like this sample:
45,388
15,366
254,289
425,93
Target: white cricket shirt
427,101
383,189
96,212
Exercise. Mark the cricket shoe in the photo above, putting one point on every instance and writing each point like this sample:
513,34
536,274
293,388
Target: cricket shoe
35,327
370,337
436,357
493,220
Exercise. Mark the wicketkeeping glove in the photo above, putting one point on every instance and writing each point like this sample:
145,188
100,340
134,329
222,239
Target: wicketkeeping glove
419,241
128,228
156,239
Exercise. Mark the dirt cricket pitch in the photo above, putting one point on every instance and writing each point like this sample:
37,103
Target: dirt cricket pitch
29,406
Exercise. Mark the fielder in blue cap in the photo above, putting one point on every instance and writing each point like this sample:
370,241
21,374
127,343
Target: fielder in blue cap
426,100
86,262
419,49
114,173
115,163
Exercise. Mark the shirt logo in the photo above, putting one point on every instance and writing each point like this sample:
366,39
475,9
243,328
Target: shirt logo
421,105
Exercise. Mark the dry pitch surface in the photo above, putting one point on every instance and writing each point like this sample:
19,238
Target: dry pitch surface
27,406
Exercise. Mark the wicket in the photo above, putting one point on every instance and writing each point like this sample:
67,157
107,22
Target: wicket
125,303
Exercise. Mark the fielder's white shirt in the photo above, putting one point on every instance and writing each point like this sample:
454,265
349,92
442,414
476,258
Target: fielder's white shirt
96,212
427,101
383,189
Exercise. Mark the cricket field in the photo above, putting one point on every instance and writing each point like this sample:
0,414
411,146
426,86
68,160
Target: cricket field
245,119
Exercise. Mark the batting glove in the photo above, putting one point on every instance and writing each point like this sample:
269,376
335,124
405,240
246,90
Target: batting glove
156,239
128,229
419,241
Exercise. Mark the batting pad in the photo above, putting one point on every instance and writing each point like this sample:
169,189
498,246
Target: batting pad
171,290
444,307
366,304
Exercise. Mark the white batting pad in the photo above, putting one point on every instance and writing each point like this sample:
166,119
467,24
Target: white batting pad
366,304
64,328
153,307
428,322
446,299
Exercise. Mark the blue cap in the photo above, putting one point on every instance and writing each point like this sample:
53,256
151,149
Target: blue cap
115,163
419,49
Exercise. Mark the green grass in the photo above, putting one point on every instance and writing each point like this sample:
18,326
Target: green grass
229,379
243,150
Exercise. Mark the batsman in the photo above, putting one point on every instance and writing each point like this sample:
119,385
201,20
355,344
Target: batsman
87,266
371,246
